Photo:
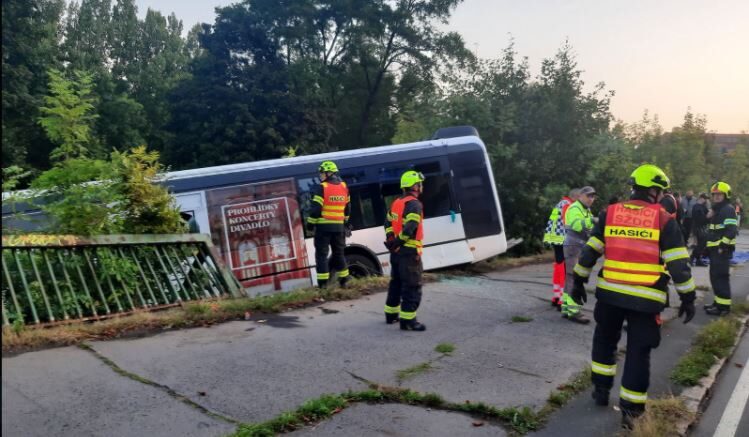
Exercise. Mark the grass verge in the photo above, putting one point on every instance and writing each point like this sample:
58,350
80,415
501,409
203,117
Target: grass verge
712,343
661,418
192,314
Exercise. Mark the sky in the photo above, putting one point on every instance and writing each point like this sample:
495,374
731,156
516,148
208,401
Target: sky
663,56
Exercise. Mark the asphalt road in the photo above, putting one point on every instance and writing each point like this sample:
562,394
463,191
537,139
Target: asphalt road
251,371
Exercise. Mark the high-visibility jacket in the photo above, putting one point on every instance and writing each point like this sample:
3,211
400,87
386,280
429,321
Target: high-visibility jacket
723,226
633,276
578,222
555,231
406,221
632,252
330,205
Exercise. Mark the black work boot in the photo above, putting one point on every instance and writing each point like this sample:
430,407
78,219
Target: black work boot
718,310
322,283
391,318
709,305
601,396
412,325
343,281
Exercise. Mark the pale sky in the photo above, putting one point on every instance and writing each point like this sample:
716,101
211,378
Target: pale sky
660,55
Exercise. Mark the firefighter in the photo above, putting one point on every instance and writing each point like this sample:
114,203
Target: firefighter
554,236
637,238
329,217
404,233
721,242
578,222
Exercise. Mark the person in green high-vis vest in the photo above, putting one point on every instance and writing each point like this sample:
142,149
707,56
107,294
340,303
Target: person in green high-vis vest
578,222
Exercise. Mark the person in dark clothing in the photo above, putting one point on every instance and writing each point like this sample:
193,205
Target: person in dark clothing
699,230
404,237
637,238
721,243
687,204
329,216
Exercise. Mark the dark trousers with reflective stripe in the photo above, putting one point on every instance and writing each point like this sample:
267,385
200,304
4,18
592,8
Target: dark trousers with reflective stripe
405,280
720,275
643,335
325,243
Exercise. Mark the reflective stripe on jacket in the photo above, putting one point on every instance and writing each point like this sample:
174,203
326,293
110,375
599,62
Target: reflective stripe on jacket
555,232
632,252
398,221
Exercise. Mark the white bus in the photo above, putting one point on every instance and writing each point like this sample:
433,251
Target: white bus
255,212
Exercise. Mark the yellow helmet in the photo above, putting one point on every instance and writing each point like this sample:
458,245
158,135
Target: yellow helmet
649,176
411,178
328,167
721,187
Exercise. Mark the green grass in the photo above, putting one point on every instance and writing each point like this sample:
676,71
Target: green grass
712,343
521,319
445,348
413,371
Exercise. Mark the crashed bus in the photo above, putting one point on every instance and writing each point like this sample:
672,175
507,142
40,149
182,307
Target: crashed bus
255,212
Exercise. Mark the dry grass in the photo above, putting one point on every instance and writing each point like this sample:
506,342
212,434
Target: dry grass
661,418
192,314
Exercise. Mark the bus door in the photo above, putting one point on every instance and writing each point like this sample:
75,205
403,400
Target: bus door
444,235
194,204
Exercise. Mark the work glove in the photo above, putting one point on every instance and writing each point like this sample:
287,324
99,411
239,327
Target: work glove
310,227
348,227
579,295
392,243
687,307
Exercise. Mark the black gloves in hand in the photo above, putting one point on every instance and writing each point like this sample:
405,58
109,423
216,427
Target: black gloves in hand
392,243
579,295
687,307
348,227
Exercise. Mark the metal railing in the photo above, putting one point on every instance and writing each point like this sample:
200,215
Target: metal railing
53,278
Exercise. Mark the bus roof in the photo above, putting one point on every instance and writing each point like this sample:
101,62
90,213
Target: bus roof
306,159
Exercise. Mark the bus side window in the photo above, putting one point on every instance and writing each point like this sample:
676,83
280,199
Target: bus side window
436,196
304,185
362,207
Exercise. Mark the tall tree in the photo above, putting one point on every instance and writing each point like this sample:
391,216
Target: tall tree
31,34
68,115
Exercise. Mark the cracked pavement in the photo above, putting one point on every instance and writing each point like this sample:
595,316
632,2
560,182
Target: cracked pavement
250,372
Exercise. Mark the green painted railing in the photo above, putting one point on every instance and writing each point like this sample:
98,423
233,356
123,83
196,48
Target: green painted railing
52,278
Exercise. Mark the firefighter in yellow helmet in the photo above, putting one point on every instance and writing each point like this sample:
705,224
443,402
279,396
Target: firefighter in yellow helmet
637,238
404,231
721,243
329,217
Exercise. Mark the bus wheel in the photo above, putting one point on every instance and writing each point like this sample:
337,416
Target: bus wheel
360,266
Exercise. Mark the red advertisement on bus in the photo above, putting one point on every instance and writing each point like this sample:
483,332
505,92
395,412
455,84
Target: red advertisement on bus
259,231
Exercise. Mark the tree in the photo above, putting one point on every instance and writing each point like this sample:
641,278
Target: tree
30,47
68,115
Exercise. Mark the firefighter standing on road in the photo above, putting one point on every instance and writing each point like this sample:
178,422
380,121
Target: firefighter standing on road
404,239
721,243
329,217
554,236
578,222
636,237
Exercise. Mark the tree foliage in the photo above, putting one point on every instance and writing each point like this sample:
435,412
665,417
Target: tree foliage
91,81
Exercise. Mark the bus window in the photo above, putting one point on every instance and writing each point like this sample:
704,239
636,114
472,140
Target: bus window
363,207
474,194
436,196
